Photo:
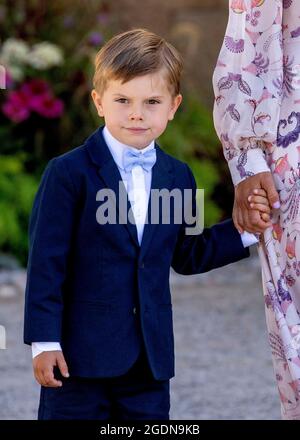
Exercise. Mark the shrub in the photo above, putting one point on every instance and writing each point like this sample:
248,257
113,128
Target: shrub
17,190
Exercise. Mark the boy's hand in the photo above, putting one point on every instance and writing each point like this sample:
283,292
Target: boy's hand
43,365
259,202
245,218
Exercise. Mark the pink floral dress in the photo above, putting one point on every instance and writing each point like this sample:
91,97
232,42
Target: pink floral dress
257,118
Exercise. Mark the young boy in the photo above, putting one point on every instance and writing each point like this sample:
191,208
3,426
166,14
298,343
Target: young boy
98,309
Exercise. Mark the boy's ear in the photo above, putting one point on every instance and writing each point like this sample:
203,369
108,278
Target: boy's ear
176,103
97,102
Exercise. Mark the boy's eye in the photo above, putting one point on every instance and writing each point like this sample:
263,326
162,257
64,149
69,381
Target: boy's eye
125,101
153,101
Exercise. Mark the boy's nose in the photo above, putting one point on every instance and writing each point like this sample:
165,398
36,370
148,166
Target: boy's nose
136,114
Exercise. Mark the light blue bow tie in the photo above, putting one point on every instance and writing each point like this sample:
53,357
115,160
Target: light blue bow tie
132,158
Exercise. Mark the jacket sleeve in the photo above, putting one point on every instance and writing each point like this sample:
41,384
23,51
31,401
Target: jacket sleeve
248,86
50,232
214,247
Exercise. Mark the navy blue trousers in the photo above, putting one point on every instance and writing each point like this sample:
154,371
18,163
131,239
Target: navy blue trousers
136,395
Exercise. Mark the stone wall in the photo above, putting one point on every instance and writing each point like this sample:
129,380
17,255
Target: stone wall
195,27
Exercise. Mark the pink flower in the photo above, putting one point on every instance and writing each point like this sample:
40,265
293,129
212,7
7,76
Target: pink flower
16,107
34,95
47,105
41,99
35,87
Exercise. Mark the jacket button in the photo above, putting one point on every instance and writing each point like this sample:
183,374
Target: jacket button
134,310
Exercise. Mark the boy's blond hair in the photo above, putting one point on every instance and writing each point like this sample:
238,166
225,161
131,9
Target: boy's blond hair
135,53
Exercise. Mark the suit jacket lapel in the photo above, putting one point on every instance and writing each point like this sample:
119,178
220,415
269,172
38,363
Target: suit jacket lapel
109,173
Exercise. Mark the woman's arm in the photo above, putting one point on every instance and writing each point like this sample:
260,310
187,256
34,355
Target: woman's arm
247,84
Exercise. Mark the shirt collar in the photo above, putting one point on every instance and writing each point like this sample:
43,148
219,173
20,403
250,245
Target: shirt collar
117,148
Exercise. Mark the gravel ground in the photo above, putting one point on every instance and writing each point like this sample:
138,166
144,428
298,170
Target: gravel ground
223,361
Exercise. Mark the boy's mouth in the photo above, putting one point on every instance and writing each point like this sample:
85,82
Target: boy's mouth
137,130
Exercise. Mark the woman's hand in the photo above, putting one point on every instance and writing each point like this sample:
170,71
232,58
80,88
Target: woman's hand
251,219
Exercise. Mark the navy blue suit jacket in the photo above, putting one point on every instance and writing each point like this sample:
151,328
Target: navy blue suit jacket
91,287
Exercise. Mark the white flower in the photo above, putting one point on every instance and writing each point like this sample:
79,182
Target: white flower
45,55
14,52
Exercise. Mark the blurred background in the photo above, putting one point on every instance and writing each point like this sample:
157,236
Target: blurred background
47,50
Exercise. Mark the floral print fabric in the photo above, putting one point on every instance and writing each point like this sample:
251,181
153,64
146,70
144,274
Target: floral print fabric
257,118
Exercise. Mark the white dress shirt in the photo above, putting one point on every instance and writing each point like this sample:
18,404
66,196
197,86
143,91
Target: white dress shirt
138,185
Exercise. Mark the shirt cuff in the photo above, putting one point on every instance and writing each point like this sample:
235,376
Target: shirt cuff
39,347
246,164
248,239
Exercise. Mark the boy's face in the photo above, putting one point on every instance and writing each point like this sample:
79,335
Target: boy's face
138,111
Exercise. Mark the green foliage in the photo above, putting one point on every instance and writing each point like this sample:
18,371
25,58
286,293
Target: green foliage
17,190
78,32
27,144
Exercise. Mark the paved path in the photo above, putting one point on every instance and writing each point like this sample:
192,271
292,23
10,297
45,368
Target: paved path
223,361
